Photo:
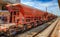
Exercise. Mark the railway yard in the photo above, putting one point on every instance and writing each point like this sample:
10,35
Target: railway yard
20,20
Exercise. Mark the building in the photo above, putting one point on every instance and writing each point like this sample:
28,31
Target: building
4,2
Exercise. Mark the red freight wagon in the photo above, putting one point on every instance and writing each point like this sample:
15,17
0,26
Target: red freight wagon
25,16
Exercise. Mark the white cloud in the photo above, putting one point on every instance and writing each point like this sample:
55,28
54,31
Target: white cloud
52,6
28,3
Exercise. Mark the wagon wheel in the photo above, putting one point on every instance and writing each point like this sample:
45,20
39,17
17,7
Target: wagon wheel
18,30
24,27
13,26
2,34
37,22
9,33
32,24
41,22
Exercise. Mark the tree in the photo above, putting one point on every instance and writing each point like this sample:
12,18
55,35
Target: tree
59,3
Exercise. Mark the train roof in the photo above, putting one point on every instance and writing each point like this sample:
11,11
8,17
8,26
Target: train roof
28,10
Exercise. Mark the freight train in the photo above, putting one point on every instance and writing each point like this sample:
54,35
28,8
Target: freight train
26,17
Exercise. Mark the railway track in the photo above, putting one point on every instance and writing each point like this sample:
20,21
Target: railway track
48,31
56,32
35,31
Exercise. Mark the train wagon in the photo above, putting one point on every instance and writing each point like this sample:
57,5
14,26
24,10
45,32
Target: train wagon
25,16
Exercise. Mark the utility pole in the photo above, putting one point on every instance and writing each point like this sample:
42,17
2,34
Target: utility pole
46,9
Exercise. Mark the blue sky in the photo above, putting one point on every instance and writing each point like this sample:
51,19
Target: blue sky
52,5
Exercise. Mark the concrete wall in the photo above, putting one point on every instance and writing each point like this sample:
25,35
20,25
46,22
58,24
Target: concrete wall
12,1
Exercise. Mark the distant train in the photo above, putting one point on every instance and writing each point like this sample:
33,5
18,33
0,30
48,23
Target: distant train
27,17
